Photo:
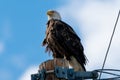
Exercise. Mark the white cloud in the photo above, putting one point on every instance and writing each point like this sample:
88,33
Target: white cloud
5,34
1,47
96,20
27,74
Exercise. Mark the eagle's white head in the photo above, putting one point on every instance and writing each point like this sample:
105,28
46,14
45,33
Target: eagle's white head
52,14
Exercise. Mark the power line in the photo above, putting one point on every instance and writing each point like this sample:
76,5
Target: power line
109,44
108,71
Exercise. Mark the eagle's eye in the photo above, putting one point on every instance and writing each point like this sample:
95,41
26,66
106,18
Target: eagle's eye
52,11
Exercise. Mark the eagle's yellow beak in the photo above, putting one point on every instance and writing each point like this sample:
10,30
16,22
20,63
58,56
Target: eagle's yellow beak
50,12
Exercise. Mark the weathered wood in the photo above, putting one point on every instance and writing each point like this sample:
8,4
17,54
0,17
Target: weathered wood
49,65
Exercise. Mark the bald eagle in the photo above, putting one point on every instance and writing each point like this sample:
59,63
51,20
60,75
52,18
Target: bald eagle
62,40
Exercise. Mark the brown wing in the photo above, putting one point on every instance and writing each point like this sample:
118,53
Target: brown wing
68,39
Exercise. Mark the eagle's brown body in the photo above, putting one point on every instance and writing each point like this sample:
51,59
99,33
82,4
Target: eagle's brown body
63,42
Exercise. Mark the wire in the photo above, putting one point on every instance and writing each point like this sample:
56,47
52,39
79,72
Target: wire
108,70
110,73
109,44
105,71
114,78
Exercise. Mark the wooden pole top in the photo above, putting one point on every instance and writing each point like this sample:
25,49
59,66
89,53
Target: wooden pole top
50,64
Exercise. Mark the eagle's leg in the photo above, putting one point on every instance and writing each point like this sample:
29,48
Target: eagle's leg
75,64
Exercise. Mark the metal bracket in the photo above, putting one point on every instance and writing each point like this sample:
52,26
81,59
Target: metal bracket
65,73
39,76
69,74
35,77
61,72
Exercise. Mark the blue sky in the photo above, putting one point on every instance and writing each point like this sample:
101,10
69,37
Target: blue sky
23,24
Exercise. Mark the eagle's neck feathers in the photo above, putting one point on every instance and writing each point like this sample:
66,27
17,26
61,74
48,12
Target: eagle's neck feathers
54,17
